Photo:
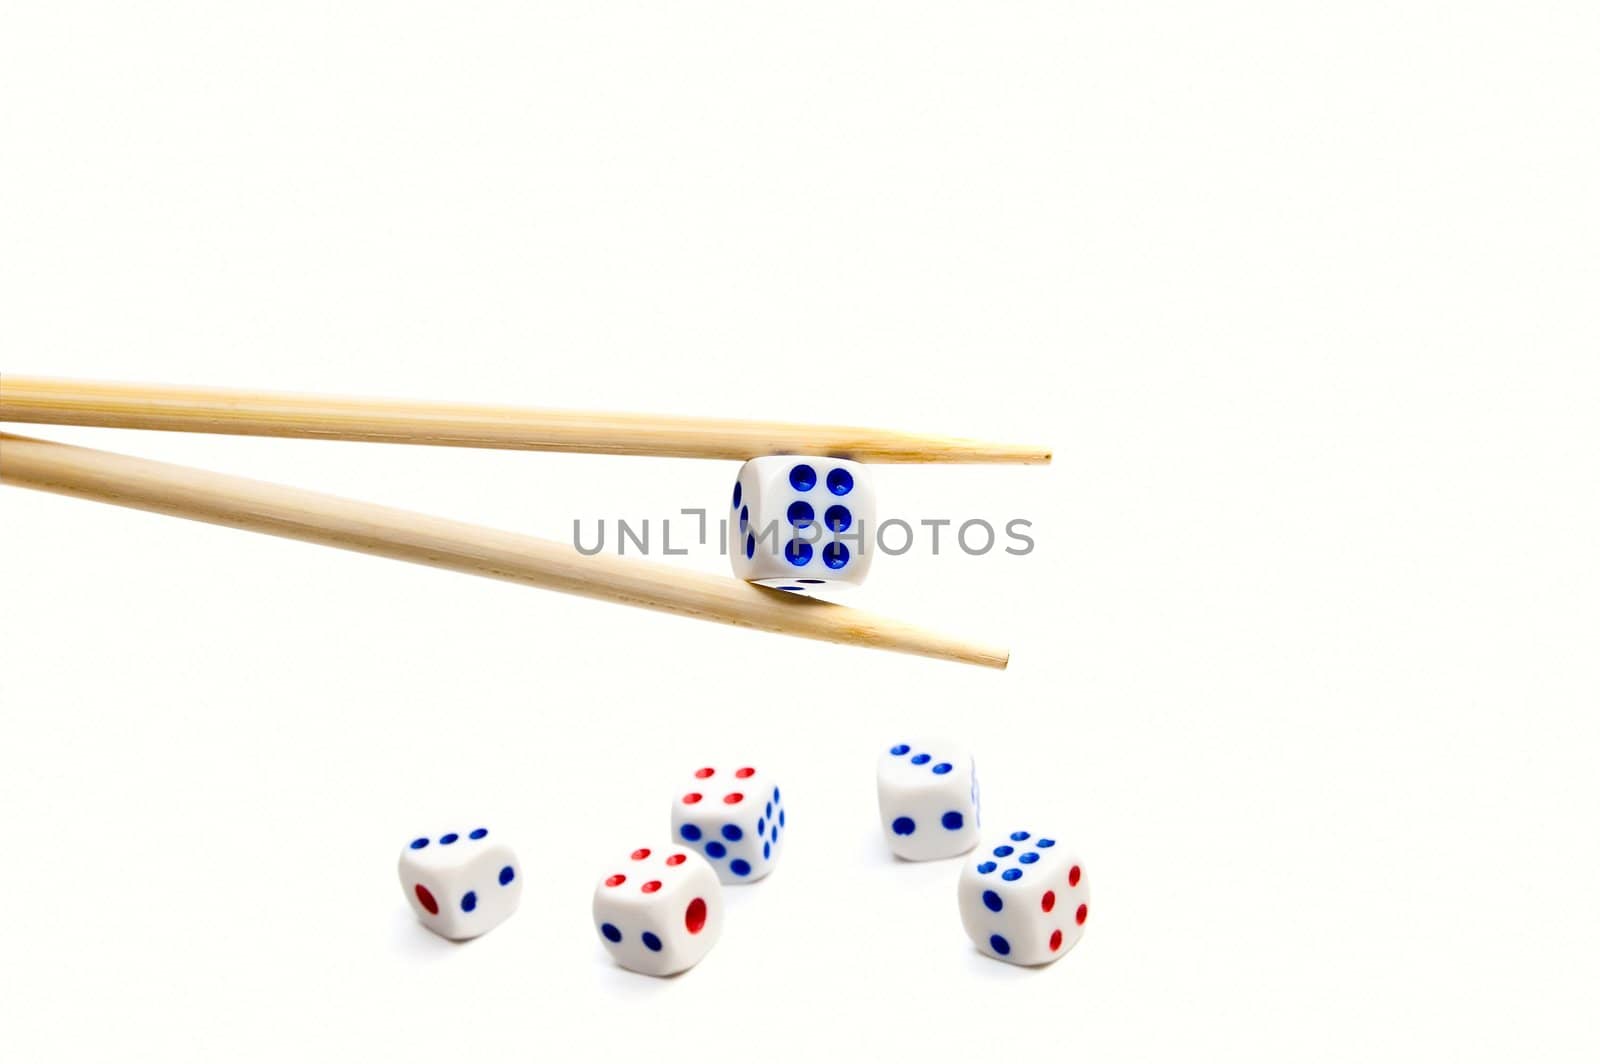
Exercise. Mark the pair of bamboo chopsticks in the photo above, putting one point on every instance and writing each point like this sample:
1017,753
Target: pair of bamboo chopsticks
318,518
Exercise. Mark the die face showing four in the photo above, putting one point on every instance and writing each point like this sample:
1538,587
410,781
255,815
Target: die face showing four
659,910
1024,899
801,523
460,883
928,799
735,817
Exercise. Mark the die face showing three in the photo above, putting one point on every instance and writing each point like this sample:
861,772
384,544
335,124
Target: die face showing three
659,910
460,883
1024,898
735,817
801,523
928,799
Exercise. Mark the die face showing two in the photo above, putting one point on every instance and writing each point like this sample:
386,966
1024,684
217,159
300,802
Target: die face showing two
735,817
801,523
659,910
928,799
1024,899
460,883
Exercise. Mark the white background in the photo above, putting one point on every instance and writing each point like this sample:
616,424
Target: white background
1304,296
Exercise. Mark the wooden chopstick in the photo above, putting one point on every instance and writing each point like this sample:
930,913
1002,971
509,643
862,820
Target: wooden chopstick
279,510
43,400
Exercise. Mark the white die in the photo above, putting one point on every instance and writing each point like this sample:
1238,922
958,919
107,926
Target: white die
659,911
735,817
1024,899
800,522
460,884
928,800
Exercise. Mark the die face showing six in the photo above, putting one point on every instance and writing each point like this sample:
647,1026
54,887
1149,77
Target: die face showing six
1024,898
928,799
735,817
802,523
460,883
659,910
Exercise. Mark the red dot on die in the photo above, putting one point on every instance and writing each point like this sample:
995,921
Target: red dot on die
616,880
1074,875
675,860
694,917
1083,913
745,773
425,897
691,798
1055,939
1048,902
652,886
640,854
704,773
733,798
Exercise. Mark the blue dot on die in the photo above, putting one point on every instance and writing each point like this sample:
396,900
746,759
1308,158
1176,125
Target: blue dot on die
469,901
776,796
802,478
761,827
478,833
837,519
715,850
953,821
749,547
769,808
690,832
611,932
840,481
744,518
1029,857
904,825
942,768
507,874
1045,844
739,866
651,942
999,944
1011,875
1003,851
738,492
797,552
783,819
921,759
801,514
732,833
1019,836
766,851
836,556
986,867
417,844
992,901
900,750
445,840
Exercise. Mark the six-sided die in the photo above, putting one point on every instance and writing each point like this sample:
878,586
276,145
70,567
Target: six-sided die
659,911
1024,899
460,883
928,799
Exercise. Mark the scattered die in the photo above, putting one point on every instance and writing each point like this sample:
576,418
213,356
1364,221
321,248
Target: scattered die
928,800
1024,900
460,884
800,522
659,911
735,817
